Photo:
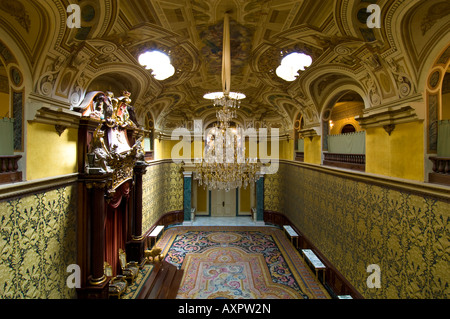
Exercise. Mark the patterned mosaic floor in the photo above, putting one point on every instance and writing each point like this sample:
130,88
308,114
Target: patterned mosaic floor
238,263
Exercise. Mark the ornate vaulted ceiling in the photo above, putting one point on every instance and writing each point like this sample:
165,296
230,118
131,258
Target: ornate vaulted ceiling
378,64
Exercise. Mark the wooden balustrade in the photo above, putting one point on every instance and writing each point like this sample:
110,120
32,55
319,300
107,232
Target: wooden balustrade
299,156
8,169
349,161
441,170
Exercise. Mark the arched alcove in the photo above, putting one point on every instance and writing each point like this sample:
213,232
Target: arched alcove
344,112
343,140
12,117
114,82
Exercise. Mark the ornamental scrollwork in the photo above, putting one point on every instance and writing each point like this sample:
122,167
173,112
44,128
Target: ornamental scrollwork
110,151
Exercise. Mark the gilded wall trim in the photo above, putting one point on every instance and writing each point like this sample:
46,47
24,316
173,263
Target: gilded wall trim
435,190
356,220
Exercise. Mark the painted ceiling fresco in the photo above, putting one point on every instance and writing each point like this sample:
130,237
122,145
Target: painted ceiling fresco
380,64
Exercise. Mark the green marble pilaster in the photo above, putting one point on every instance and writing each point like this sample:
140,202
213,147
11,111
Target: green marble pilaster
187,195
260,199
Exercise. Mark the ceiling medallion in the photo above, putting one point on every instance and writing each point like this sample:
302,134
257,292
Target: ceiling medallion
224,165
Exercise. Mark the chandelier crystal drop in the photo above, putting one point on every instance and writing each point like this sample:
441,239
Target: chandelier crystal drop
225,165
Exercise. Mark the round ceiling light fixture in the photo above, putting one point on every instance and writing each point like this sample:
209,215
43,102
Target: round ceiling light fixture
291,64
158,62
219,95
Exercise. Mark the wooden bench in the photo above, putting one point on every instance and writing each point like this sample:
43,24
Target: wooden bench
291,232
314,261
154,234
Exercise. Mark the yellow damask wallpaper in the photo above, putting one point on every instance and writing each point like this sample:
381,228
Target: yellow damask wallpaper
162,192
356,224
37,243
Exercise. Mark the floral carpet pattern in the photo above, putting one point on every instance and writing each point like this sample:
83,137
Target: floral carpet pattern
238,263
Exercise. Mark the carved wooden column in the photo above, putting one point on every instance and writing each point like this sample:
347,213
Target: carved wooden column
93,225
139,170
136,246
97,190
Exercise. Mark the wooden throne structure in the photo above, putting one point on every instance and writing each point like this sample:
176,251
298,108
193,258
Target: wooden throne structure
111,165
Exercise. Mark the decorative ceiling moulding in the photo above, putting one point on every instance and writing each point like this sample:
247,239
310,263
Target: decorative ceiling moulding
333,37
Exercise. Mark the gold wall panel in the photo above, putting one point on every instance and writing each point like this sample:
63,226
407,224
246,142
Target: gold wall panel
162,192
37,243
356,223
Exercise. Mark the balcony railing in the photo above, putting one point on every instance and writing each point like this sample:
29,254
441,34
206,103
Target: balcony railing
9,169
441,170
349,161
299,156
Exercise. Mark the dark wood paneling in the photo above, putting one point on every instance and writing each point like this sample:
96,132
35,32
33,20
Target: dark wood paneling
348,161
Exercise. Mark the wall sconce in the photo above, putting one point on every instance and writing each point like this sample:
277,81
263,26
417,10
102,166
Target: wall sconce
331,124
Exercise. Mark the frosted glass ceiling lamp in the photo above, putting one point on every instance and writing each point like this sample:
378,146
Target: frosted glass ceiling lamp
291,64
159,63
219,95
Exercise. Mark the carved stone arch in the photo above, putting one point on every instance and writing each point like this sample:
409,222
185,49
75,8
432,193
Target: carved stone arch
17,78
419,32
277,100
114,76
149,121
330,102
339,77
299,121
433,97
438,57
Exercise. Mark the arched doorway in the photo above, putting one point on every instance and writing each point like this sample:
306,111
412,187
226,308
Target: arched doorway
438,119
12,115
343,138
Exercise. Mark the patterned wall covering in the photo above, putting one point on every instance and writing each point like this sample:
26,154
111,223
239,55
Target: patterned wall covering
37,243
162,192
355,223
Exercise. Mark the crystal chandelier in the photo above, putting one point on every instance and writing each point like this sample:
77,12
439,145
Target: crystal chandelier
224,165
